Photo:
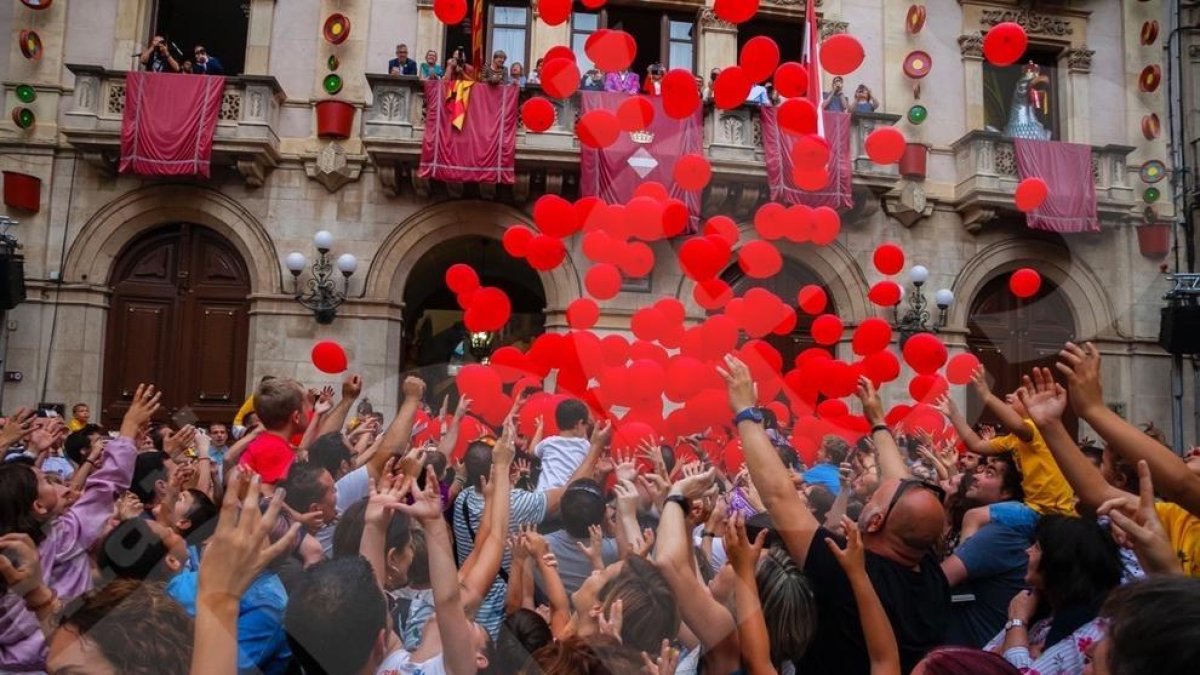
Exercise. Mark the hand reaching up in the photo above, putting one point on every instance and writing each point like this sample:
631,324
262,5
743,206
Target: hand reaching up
239,549
852,558
18,427
175,443
141,409
594,548
696,485
352,387
1140,521
427,503
1081,366
739,382
1044,399
869,396
743,553
414,388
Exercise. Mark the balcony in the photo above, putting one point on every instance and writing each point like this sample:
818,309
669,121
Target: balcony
986,168
393,127
245,137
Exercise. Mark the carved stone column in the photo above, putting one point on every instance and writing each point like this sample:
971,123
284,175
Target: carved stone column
132,27
717,44
430,31
971,46
542,37
258,37
1076,94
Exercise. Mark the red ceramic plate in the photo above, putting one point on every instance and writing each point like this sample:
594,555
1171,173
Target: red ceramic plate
917,64
1151,127
31,45
337,29
915,20
1150,78
37,4
1149,32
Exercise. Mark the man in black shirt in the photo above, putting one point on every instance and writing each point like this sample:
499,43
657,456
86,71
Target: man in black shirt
900,526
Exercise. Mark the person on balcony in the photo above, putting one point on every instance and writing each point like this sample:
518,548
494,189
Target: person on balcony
707,91
535,76
458,67
653,84
593,80
402,65
431,69
157,57
758,95
205,64
624,82
517,74
496,73
835,100
864,100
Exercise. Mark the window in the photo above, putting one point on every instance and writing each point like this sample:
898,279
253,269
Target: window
1001,98
788,36
219,25
583,24
680,44
509,33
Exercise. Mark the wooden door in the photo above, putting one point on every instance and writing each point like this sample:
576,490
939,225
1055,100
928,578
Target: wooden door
179,319
786,285
1011,336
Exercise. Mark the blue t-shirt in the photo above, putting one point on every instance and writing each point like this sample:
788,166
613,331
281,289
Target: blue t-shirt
825,475
995,559
262,642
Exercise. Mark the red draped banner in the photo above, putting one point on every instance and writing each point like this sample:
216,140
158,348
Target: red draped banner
613,173
484,150
777,148
1067,170
169,120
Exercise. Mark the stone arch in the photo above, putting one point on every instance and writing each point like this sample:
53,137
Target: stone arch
1083,290
832,264
106,234
421,232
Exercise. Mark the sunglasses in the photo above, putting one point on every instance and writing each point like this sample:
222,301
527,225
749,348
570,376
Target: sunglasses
906,485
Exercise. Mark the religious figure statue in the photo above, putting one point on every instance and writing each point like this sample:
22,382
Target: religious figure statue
1029,106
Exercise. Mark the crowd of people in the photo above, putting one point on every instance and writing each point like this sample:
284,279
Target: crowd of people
159,56
322,541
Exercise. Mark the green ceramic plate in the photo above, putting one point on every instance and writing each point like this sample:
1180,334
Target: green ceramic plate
332,84
1151,195
26,93
917,114
333,62
23,117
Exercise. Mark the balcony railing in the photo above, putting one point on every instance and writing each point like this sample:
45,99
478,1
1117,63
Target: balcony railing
245,137
394,123
986,168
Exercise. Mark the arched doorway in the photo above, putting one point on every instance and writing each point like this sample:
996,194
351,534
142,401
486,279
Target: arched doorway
786,285
434,333
179,318
1011,336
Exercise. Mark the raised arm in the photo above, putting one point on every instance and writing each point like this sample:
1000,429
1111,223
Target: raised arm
891,464
881,641
753,639
1003,411
478,576
389,489
450,438
399,432
797,525
560,603
1174,481
974,442
336,419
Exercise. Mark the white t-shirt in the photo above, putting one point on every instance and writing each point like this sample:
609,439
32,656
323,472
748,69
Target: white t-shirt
560,456
400,662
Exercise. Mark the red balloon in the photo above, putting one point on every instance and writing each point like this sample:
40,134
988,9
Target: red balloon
597,129
961,368
1031,193
827,329
692,172
796,116
559,52
510,364
927,388
810,152
450,12
736,11
603,281
832,409
925,353
544,252
490,309
582,313
872,335
885,145
477,381
537,114
461,278
1005,43
760,259
881,367
723,227
841,54
555,216
712,294
560,77
554,12
826,225
759,57
611,50
731,88
702,258
516,240
889,258
1025,282
791,79
637,261
812,299
885,294
680,95
810,179
590,4
329,357
635,113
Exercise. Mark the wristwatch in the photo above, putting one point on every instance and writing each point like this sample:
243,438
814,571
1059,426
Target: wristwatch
749,414
1013,623
682,501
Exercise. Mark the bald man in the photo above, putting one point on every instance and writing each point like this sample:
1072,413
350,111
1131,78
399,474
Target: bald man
900,526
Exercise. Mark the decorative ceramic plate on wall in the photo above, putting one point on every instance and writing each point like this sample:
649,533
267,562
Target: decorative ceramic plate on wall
31,45
1150,78
337,29
915,20
1149,32
23,117
25,93
332,83
37,4
917,64
1151,127
1153,171
918,114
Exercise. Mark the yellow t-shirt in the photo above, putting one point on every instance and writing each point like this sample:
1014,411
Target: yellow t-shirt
1183,529
247,408
1046,489
75,425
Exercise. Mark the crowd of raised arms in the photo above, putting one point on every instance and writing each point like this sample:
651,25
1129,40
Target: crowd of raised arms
323,541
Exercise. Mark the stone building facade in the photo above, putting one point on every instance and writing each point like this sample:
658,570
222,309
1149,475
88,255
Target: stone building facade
82,332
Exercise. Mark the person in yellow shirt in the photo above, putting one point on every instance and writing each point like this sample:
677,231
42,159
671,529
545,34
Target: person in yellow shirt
80,416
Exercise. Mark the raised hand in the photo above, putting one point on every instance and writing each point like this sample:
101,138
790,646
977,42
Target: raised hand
1140,521
654,485
176,443
594,548
871,404
696,485
390,490
535,544
852,558
610,625
129,507
141,409
18,427
1044,399
239,549
627,498
945,405
1081,367
20,565
626,468
665,664
352,387
427,503
504,451
987,432
980,382
413,388
602,434
739,382
743,553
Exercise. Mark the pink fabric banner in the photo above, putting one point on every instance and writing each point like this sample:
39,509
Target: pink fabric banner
777,147
1067,170
168,125
613,173
485,150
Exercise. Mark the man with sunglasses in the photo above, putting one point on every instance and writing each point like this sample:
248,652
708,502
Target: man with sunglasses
206,64
900,526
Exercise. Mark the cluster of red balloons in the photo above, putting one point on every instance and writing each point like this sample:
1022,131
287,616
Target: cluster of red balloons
485,308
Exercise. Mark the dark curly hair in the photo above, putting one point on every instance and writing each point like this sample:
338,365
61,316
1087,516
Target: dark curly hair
139,629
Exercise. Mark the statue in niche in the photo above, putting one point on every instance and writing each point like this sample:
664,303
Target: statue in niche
1029,106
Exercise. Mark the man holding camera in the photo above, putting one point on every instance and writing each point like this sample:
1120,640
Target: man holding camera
206,64
157,57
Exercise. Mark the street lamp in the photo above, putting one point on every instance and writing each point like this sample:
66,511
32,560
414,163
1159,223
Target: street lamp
916,317
323,296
